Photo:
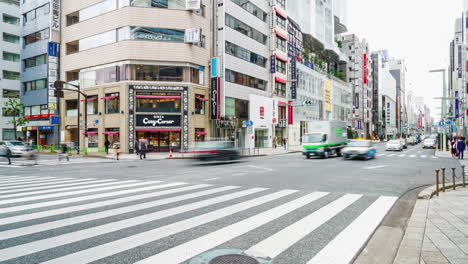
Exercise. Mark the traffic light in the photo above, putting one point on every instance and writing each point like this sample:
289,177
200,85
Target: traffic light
58,93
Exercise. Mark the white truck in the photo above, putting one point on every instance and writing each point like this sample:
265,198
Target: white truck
324,138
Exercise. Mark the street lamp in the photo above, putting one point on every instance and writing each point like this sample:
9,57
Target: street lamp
60,86
444,105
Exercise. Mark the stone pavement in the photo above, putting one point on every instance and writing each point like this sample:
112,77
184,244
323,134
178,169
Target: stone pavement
437,232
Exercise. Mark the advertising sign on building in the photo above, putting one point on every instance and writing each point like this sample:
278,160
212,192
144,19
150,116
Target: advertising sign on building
193,35
388,115
192,4
273,64
457,105
158,120
261,110
215,67
293,78
364,69
55,21
328,101
459,61
215,98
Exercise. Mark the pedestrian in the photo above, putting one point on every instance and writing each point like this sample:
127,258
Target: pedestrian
461,146
8,154
64,155
453,147
143,149
137,148
274,142
284,143
106,145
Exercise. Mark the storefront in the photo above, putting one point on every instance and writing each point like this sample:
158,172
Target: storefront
264,115
112,135
45,135
159,116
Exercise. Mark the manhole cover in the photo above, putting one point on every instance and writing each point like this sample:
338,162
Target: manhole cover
233,259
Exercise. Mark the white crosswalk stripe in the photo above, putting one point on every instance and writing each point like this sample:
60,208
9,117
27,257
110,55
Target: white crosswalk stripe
405,155
130,205
54,162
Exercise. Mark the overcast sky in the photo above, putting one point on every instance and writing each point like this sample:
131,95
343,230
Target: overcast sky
418,31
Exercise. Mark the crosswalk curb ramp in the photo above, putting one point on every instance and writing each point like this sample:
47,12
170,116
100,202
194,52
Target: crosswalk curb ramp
83,220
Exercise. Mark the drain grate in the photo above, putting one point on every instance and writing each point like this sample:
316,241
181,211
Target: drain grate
233,259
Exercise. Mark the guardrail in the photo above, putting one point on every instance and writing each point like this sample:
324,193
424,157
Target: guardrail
445,179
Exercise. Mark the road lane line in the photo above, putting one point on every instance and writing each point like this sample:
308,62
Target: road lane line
109,186
401,155
42,189
376,167
380,155
12,233
412,156
391,155
54,181
261,168
284,239
199,245
239,174
48,243
212,179
423,156
343,248
71,209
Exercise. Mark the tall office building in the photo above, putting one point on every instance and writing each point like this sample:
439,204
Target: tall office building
9,63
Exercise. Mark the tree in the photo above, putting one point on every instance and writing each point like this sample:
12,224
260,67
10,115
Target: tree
14,108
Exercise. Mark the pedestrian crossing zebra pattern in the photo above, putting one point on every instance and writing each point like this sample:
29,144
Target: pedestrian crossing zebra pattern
21,163
406,155
69,220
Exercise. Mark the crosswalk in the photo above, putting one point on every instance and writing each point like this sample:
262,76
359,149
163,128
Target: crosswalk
21,163
406,155
70,220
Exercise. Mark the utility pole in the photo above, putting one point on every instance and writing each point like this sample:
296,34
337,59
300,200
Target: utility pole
444,106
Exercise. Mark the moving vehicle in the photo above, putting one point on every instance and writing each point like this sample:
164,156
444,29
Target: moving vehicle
412,141
404,143
429,143
216,151
394,144
359,149
324,138
17,148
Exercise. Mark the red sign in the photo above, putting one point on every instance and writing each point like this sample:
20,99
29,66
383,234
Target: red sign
365,69
43,116
290,113
262,112
273,120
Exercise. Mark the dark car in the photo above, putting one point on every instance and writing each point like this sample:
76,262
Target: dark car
216,151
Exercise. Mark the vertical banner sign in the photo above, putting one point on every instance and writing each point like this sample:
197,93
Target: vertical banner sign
388,114
53,53
459,62
328,101
193,35
273,64
293,78
457,105
290,113
215,67
364,71
452,56
215,96
55,21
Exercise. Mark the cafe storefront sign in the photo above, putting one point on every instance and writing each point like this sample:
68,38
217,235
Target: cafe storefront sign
158,120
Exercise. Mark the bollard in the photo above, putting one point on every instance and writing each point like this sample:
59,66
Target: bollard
463,175
437,182
443,179
453,178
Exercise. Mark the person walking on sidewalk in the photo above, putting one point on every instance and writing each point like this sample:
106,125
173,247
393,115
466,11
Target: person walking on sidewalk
106,145
274,142
137,148
143,149
284,143
453,147
64,154
461,146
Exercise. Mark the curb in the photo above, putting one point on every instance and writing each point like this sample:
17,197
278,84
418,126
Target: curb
429,192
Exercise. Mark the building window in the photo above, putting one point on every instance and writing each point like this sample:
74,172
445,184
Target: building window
280,22
97,9
112,103
243,28
8,134
35,13
199,134
35,85
245,54
92,104
37,36
281,66
11,56
35,61
280,89
149,33
11,38
71,107
167,103
12,20
202,41
199,104
280,44
138,72
245,80
10,94
10,75
281,3
98,40
252,9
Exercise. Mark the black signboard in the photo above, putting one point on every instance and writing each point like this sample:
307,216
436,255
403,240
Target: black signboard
293,78
158,120
215,99
273,64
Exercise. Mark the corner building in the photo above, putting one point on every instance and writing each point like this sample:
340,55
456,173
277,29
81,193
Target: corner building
143,67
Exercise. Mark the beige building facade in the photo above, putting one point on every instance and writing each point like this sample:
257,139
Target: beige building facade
144,68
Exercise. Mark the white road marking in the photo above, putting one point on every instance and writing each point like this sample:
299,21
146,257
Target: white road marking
391,155
25,217
376,167
32,179
212,179
423,156
343,248
261,168
380,155
199,245
282,240
239,174
44,244
48,187
401,155
412,156
45,183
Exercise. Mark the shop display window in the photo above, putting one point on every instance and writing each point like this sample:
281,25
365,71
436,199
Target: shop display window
199,104
112,103
159,105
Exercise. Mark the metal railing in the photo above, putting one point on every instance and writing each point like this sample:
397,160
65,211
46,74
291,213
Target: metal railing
447,179
248,152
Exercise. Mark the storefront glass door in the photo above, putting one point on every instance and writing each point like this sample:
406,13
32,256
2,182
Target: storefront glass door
161,141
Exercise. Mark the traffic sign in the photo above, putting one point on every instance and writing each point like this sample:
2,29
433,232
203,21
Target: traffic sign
250,123
449,122
441,123
55,120
245,123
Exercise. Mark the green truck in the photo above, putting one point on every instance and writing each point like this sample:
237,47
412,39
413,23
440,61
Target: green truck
324,139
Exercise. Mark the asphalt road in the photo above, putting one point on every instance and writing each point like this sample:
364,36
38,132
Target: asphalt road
285,209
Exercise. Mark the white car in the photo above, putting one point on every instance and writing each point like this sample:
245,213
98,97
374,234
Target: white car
394,145
17,148
429,143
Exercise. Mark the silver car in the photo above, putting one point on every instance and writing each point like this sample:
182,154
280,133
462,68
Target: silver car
17,148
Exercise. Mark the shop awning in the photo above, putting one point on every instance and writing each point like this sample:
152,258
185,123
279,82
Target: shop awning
90,133
110,133
281,58
89,99
109,97
280,12
202,99
157,129
281,103
201,133
280,80
157,97
281,35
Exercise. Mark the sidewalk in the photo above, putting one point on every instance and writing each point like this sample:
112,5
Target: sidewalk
177,155
437,232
